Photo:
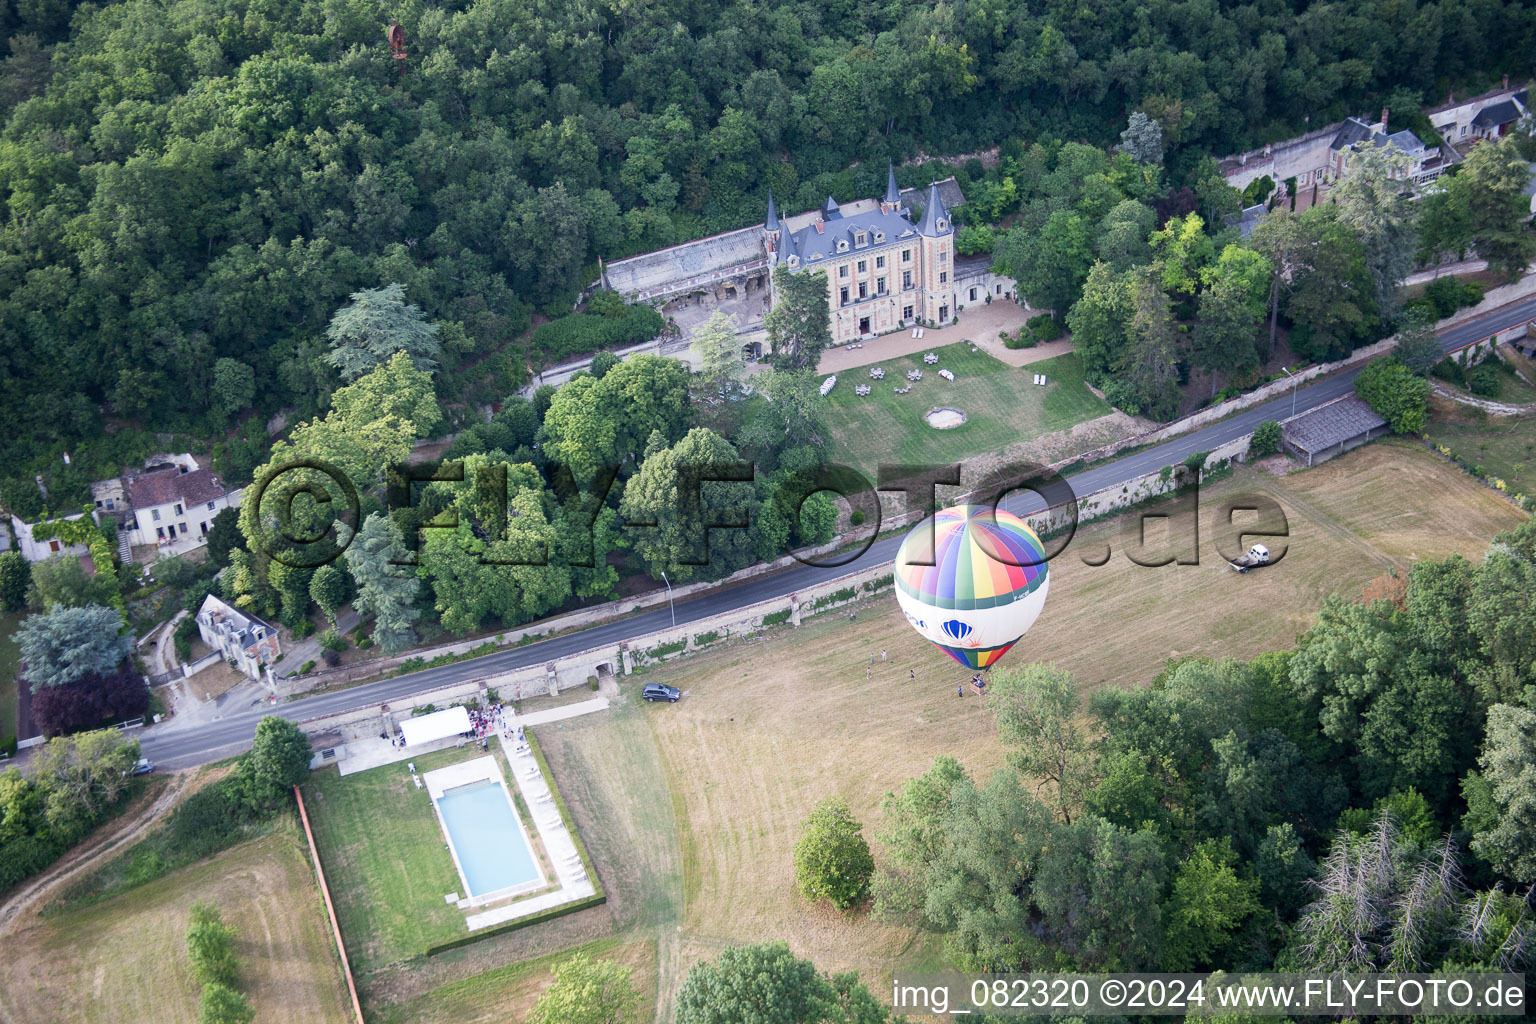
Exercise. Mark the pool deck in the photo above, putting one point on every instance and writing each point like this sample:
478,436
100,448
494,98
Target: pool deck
364,750
558,843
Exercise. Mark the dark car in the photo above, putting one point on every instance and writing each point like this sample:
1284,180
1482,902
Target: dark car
657,691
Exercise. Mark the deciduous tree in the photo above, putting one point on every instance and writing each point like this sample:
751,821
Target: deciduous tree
832,859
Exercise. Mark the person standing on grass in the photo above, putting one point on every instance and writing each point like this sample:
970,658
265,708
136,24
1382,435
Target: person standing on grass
912,674
960,690
882,654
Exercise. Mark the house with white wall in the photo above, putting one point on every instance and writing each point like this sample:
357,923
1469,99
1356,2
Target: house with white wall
35,550
241,638
1489,116
172,507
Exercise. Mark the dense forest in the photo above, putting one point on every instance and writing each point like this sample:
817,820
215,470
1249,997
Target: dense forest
185,184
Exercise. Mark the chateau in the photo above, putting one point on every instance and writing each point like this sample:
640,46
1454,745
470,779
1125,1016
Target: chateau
890,263
883,271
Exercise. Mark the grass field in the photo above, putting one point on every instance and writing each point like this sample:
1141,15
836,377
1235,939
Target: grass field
1505,446
506,994
124,961
385,858
1001,403
10,659
769,728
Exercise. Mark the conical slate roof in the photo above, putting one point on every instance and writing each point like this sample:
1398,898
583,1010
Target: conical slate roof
934,211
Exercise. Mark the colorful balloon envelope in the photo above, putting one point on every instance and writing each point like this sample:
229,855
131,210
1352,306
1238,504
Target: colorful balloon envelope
985,588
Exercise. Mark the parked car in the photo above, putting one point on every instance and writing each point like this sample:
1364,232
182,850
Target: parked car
659,691
144,767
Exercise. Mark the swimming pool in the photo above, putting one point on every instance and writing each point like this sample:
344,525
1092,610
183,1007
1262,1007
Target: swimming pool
487,839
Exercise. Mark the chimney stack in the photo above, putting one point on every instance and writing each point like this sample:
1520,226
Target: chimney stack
1506,81
1383,118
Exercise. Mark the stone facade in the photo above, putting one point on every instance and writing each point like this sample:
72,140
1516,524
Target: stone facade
884,270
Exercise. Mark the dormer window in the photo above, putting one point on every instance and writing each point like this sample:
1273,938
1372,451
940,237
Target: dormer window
943,224
793,262
860,239
842,245
879,237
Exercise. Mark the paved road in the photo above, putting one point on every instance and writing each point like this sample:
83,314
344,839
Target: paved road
168,745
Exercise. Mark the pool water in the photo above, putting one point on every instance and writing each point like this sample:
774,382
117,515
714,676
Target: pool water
487,838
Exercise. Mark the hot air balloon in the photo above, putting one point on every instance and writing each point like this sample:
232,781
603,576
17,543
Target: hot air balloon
985,588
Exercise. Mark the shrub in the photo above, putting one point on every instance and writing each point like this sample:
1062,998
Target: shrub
1266,440
1195,461
832,859
211,947
1484,379
1451,371
1044,328
331,640
857,517
578,333
305,668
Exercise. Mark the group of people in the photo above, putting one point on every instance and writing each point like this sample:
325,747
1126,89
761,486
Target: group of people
488,721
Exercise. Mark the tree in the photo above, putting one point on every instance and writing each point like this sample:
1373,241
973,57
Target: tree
330,588
1099,887
224,535
1375,202
15,578
1418,347
90,701
913,837
832,860
1397,396
1183,251
61,581
792,415
799,325
1143,139
1123,235
587,991
1491,190
376,324
1445,224
1266,440
766,984
1036,709
221,1004
1149,374
594,425
280,754
1382,904
81,776
1508,761
385,590
1224,336
63,645
700,515
979,888
1332,299
719,352
234,386
210,947
1049,263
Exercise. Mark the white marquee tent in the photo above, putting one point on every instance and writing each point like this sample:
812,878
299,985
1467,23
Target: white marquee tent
438,725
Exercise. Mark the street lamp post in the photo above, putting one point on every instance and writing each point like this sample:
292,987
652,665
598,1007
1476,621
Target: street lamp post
1294,381
669,598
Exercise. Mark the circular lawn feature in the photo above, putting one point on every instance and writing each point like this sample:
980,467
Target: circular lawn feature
944,418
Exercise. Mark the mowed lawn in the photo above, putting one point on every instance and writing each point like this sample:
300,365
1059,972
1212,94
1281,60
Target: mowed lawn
506,994
10,664
385,859
767,729
1001,403
124,961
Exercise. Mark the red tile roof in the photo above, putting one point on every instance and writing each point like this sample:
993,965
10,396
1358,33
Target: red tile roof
164,486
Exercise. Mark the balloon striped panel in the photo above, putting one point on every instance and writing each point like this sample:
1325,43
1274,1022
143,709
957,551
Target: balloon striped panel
981,559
